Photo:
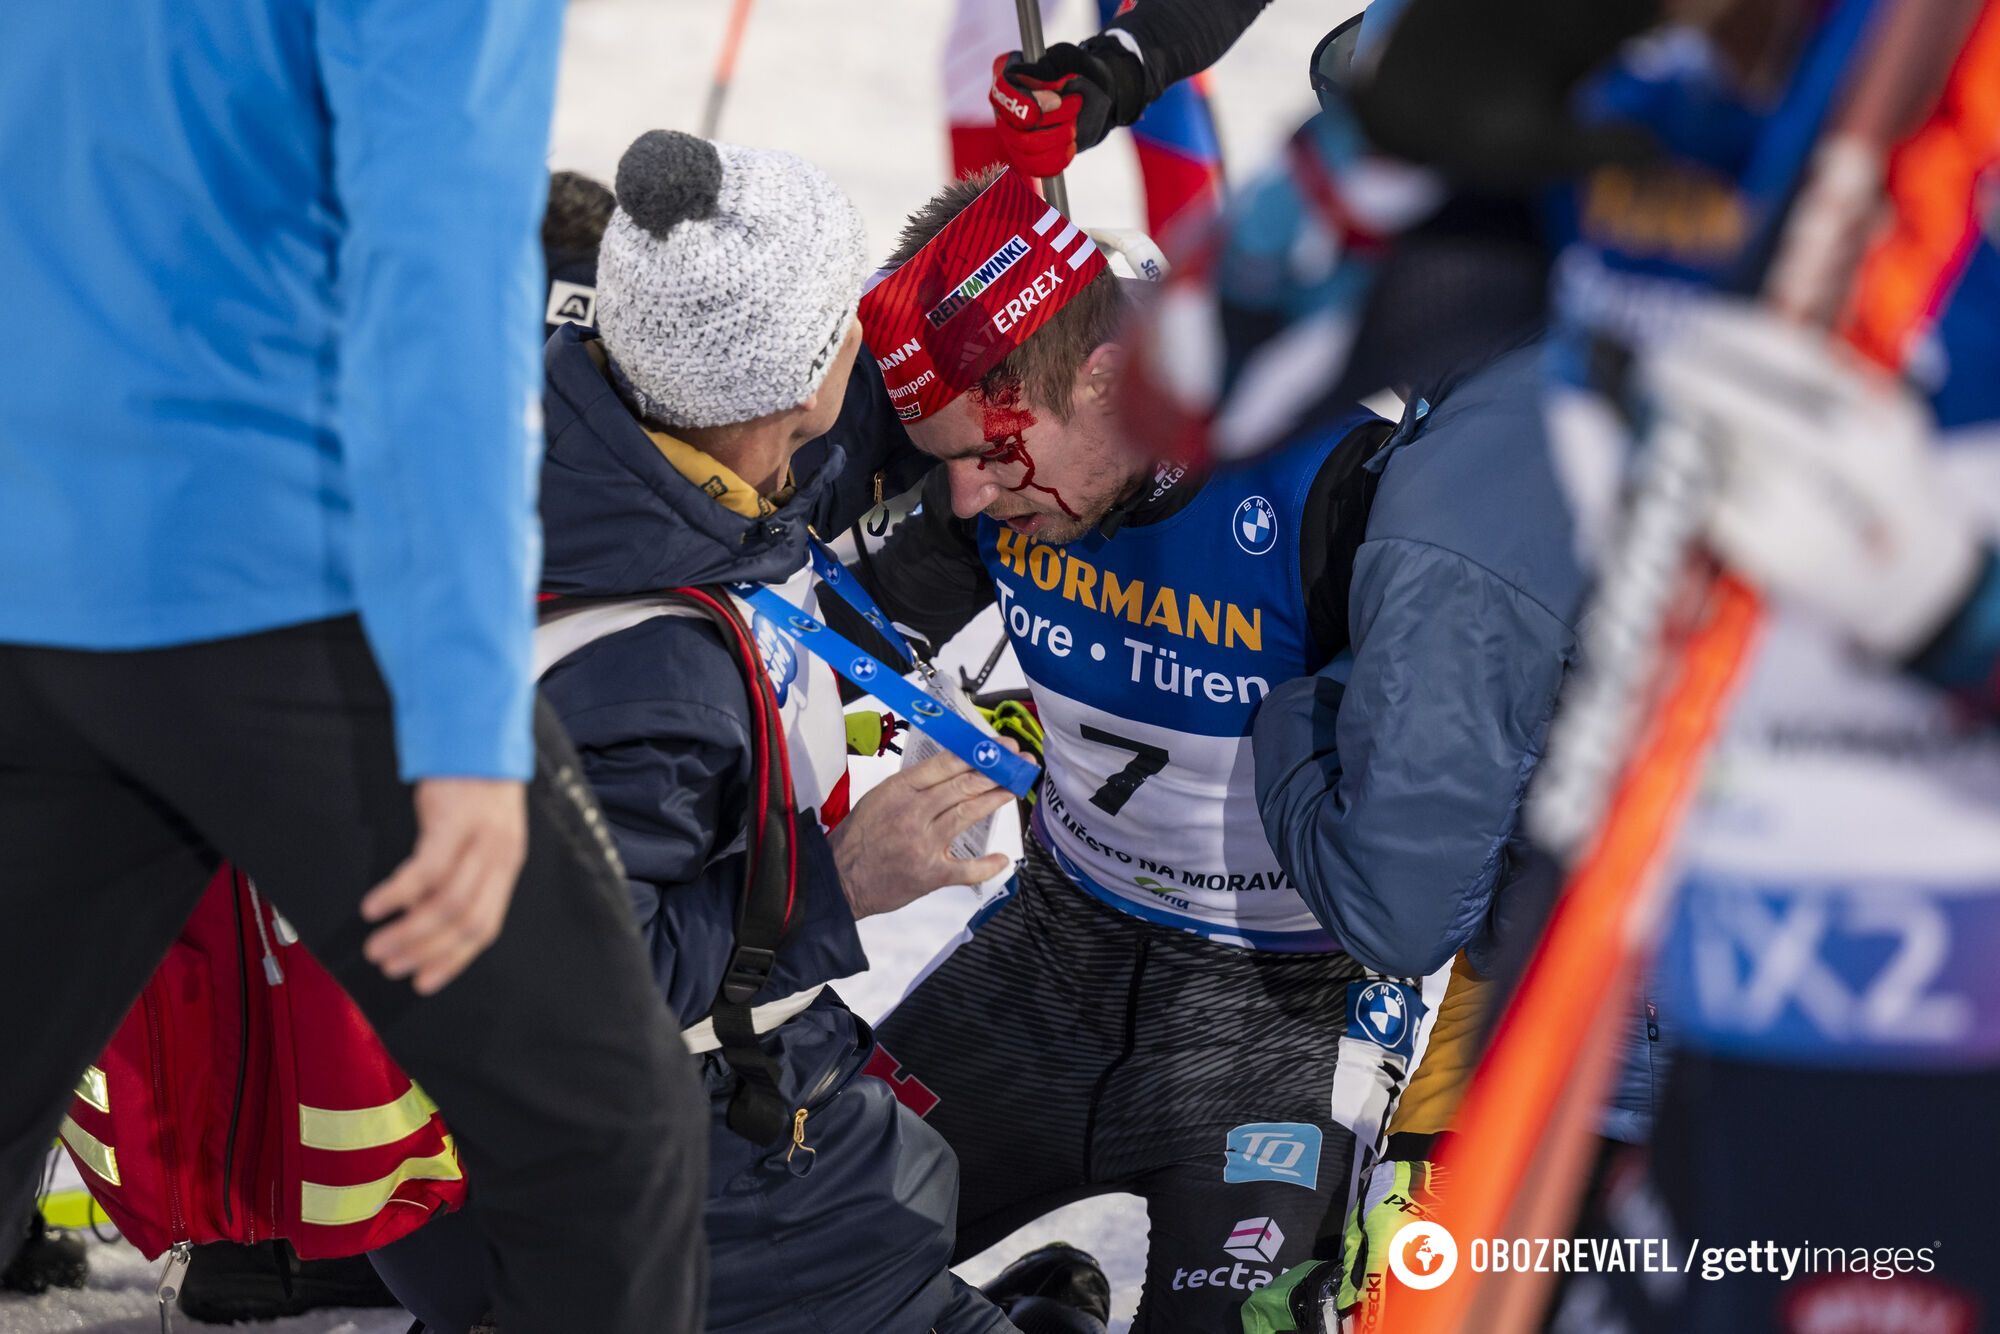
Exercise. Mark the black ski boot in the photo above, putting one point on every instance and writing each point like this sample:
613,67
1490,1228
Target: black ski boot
227,1283
1055,1289
46,1260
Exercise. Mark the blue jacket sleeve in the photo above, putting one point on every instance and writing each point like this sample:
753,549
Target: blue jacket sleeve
1389,781
440,117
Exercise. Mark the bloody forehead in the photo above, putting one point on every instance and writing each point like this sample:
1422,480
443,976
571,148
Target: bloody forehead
990,278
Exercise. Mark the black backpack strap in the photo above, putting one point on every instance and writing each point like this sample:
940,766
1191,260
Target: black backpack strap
1332,530
758,1111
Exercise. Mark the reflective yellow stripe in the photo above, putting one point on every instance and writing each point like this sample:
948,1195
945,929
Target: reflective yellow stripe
90,1086
98,1156
364,1127
334,1206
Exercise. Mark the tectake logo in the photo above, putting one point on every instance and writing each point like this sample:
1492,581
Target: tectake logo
1255,1239
1255,525
1285,1151
1252,1243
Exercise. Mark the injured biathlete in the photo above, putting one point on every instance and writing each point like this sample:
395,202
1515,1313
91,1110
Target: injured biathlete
1154,1005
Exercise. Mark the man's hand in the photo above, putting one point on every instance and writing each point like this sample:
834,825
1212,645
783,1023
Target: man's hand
1049,110
894,847
453,889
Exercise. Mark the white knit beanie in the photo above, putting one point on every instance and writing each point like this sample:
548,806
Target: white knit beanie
727,278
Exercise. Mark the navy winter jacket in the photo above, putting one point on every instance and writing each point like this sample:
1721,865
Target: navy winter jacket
659,712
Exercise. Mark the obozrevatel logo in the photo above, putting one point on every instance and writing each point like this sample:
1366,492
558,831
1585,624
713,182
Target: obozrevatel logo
1423,1255
1255,525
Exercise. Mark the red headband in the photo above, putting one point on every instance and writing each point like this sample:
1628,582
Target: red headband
980,288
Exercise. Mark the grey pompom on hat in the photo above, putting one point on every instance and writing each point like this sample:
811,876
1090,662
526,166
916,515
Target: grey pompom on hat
727,279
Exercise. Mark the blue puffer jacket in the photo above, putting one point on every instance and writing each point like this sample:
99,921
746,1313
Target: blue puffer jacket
1391,781
659,712
1462,617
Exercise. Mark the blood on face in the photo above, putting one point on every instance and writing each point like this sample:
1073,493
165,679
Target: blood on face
1004,423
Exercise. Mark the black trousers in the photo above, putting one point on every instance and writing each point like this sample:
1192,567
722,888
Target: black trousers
124,776
1066,1050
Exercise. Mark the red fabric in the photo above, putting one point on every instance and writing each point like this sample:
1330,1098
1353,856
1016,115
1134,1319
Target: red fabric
834,809
172,1073
1176,183
974,148
993,276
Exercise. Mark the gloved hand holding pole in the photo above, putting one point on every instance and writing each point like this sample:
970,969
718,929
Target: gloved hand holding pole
1032,48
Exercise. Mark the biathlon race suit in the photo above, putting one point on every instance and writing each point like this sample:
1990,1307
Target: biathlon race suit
1829,959
1162,1002
861,1189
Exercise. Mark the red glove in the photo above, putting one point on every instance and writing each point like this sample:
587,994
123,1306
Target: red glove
1043,143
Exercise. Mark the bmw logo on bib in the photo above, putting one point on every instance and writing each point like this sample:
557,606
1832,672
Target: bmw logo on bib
1384,1013
861,669
986,755
781,660
1255,525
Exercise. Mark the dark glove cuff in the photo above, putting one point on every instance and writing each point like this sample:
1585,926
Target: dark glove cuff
1124,76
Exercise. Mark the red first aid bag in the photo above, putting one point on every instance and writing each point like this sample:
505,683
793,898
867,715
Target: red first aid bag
245,1099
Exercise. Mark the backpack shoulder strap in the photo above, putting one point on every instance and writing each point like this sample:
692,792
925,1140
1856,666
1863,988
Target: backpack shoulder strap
1335,524
757,1111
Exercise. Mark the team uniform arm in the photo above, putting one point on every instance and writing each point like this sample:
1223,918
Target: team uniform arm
1390,780
440,124
1178,39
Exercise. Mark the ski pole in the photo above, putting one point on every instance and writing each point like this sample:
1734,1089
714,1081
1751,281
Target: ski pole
725,67
1032,48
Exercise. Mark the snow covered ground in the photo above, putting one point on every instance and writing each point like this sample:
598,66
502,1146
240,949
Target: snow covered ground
854,87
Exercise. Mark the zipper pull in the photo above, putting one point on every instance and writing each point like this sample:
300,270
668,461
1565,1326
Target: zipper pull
800,1166
178,1257
274,975
286,933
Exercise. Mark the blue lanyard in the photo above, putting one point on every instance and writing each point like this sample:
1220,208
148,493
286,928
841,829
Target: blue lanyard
923,709
849,590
